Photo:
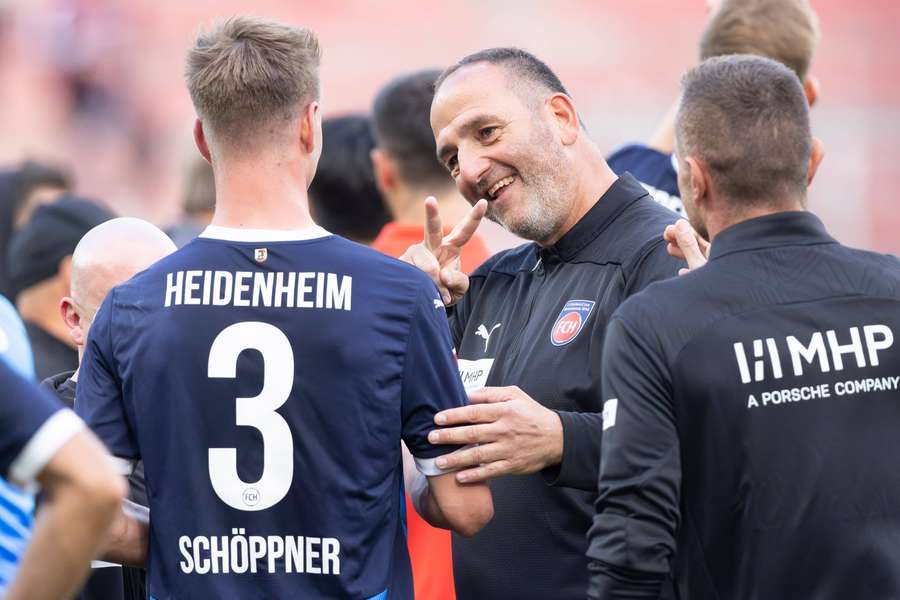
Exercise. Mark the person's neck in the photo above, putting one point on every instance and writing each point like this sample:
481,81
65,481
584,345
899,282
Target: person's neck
718,221
261,195
407,206
593,179
40,307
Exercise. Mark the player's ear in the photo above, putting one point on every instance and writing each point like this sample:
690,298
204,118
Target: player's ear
72,320
385,172
200,140
811,89
563,110
311,129
698,180
815,159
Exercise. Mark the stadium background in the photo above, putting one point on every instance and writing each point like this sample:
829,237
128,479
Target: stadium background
96,85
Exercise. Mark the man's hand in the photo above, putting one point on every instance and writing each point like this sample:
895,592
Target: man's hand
686,244
438,255
514,433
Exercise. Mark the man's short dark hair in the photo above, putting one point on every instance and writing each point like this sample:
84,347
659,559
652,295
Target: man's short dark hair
401,120
343,195
747,119
522,64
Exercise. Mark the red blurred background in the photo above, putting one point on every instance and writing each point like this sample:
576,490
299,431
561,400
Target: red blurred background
97,84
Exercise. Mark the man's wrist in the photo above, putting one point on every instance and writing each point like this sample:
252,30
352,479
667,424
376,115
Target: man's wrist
556,439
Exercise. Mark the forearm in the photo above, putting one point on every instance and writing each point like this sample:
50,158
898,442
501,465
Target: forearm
580,459
663,139
127,542
68,532
608,582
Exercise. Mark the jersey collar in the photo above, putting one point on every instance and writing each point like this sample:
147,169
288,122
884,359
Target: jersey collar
788,228
240,234
621,193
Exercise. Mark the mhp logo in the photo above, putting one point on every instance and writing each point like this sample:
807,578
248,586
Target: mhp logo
570,321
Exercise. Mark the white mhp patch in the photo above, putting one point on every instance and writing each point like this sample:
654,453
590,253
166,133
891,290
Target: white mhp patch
474,373
610,408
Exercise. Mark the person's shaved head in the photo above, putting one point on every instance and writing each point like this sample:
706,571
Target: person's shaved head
110,254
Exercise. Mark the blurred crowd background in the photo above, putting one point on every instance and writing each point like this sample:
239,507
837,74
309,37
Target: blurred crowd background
95,87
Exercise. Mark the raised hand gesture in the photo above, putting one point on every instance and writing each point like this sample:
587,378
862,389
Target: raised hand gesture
438,255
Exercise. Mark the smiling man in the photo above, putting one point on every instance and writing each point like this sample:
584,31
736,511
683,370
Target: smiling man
529,330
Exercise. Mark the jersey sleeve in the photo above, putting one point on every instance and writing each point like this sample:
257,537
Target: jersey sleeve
431,381
34,427
632,540
98,397
654,169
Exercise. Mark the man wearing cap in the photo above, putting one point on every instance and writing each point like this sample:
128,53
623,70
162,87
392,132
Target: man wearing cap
39,262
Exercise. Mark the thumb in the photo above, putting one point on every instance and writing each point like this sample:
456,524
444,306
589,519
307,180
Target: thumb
686,240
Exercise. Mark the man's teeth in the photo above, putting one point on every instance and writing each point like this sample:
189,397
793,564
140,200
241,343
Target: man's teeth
500,185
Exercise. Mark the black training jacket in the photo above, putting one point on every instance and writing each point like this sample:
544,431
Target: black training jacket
752,424
535,318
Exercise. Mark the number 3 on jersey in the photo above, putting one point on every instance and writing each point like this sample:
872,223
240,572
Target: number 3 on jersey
258,412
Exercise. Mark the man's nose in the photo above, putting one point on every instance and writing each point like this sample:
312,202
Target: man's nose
472,169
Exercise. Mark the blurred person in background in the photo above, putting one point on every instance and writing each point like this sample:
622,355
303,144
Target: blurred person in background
198,202
783,30
22,189
95,270
406,171
43,444
39,262
343,197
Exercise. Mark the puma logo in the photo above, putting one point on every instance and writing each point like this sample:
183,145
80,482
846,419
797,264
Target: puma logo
482,332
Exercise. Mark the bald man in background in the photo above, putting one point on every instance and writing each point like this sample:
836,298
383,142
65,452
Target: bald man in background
108,254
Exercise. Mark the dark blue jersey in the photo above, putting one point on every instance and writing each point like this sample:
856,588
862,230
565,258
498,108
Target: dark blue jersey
751,417
654,169
266,379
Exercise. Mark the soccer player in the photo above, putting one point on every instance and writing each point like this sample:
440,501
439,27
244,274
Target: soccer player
784,30
43,443
267,371
751,415
530,327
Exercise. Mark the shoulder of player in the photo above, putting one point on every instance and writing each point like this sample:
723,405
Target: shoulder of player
509,261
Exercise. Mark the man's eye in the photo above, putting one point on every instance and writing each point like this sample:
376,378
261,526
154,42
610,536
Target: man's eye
486,133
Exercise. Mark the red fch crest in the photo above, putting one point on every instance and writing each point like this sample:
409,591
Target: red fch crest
570,321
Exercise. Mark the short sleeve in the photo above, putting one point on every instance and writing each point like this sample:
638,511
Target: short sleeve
640,467
98,397
431,381
34,425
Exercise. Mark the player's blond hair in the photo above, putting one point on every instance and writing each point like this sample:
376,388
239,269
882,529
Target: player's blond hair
783,30
247,72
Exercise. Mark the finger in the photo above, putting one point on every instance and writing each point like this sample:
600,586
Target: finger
434,231
686,239
470,457
486,472
683,271
674,250
464,415
456,282
464,230
489,395
464,435
427,263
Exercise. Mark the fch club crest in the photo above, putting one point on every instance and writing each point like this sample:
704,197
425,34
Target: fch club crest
570,321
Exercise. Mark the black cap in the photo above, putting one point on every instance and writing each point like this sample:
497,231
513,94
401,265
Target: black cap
54,230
